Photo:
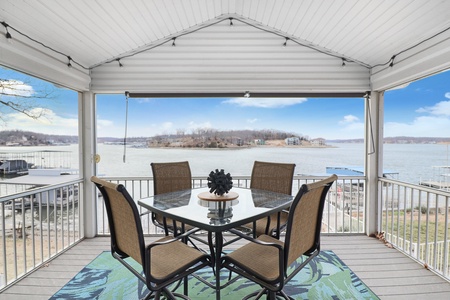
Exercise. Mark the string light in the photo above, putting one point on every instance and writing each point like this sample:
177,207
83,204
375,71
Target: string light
7,35
392,61
343,62
69,64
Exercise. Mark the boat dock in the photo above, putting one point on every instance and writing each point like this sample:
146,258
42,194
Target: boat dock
441,178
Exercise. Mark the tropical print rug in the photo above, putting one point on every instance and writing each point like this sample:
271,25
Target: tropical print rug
325,277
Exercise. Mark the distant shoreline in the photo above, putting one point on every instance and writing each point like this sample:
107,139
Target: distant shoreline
242,147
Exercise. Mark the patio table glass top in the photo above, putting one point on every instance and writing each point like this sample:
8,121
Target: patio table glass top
214,215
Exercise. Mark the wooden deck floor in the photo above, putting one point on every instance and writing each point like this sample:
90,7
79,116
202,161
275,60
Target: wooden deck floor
390,274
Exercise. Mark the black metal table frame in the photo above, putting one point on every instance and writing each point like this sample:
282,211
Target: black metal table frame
175,205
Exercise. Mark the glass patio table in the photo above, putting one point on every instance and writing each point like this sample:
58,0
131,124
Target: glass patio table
217,216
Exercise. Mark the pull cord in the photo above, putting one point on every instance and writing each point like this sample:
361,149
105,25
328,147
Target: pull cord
126,126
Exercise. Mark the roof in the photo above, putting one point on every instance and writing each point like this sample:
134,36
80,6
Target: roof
341,46
43,177
353,171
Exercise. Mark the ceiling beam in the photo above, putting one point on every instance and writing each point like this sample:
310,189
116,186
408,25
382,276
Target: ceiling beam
244,95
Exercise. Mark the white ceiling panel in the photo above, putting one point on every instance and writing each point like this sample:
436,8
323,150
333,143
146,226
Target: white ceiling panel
230,59
97,32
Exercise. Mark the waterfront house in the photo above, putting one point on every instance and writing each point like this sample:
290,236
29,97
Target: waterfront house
292,141
318,142
239,48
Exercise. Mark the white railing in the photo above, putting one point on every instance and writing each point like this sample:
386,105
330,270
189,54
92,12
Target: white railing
39,223
425,251
415,219
36,225
344,209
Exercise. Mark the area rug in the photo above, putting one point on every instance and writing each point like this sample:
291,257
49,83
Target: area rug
325,277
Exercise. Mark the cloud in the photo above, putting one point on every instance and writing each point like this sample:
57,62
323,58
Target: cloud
193,125
251,121
265,102
350,126
447,95
166,126
16,88
429,126
439,109
107,128
104,123
348,119
144,100
50,123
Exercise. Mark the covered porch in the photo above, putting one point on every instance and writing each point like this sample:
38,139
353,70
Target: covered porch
386,271
239,48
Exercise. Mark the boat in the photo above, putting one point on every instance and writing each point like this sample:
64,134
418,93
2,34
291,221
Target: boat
44,177
13,166
357,171
350,193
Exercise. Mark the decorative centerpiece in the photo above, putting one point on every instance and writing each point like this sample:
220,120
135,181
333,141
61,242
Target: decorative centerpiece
219,183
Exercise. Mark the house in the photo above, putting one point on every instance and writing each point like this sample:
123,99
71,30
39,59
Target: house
318,142
292,141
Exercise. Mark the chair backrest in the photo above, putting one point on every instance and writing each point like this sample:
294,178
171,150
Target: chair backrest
171,177
127,238
274,177
305,220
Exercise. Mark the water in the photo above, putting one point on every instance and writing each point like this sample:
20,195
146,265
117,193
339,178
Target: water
234,161
413,162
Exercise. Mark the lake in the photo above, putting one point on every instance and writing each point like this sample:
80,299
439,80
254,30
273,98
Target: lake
413,162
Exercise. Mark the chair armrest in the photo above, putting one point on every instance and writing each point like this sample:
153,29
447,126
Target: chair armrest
242,235
145,213
256,241
174,239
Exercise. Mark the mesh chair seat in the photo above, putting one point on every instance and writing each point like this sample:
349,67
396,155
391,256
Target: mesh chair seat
167,261
260,260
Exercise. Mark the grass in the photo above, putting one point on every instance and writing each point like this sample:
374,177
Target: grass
412,224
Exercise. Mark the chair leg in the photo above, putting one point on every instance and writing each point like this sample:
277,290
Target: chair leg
270,295
150,295
285,296
173,296
256,294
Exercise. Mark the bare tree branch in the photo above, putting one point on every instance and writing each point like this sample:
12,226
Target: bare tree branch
20,96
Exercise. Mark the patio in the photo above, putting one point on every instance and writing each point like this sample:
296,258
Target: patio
388,273
235,48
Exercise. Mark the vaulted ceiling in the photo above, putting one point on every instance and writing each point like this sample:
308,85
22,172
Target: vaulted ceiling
347,46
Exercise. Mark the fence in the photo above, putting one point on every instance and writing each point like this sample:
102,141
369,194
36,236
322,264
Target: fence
36,225
39,223
415,220
344,209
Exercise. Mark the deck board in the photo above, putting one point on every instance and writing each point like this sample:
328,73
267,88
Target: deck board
388,273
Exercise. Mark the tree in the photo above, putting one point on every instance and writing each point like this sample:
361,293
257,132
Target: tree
21,97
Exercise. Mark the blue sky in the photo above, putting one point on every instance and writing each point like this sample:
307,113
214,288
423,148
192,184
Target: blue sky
420,109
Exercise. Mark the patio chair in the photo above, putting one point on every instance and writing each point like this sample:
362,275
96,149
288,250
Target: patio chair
274,177
161,260
170,177
266,260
